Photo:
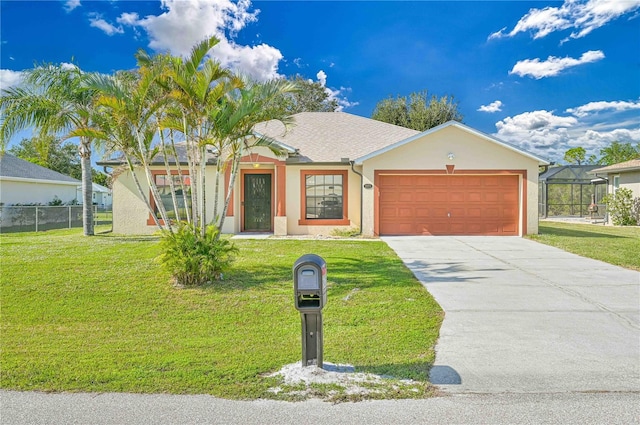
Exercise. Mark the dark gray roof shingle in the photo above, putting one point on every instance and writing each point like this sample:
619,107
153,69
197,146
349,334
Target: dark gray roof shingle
12,166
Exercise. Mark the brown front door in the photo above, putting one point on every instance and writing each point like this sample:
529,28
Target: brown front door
449,205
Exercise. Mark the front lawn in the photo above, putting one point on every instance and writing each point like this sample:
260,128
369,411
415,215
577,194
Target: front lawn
614,245
98,314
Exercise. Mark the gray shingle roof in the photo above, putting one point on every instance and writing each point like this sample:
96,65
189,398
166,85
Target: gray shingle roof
12,166
331,136
181,151
633,164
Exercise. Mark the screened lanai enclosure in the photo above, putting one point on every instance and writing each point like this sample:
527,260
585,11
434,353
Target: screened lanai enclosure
569,191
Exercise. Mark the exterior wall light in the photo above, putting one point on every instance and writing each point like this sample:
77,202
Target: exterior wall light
450,155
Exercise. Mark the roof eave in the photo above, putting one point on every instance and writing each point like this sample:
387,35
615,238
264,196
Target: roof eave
287,148
29,180
607,170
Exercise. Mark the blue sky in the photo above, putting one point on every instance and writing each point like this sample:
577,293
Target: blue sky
543,75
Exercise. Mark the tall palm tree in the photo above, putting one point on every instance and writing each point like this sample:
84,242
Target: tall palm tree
53,99
124,120
197,84
235,118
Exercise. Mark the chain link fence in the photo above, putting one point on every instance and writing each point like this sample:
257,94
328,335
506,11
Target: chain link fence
17,218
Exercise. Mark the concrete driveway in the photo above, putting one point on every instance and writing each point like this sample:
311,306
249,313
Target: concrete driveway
525,317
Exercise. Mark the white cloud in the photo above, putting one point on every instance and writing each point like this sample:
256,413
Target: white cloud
595,107
550,136
9,78
96,21
128,18
71,4
553,65
579,15
67,65
492,107
322,78
185,23
338,95
259,62
596,140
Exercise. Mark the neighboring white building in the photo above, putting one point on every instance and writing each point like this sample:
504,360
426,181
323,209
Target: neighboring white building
22,182
101,196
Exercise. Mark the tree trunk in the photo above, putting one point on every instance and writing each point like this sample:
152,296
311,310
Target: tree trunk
87,187
142,194
187,207
216,191
235,166
172,187
203,197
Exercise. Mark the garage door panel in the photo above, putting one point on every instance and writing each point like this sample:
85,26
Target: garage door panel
474,213
439,197
405,212
422,212
457,196
449,205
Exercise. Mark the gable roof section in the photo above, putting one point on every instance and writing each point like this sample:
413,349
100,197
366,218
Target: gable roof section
567,174
14,168
456,124
631,165
331,136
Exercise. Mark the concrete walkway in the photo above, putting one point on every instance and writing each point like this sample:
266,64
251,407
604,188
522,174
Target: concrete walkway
522,317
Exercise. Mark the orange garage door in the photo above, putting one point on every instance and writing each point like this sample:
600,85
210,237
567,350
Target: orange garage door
449,205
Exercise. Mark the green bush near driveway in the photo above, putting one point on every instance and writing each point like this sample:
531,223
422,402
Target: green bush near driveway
615,245
99,315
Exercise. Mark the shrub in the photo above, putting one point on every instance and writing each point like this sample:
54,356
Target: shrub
56,202
193,259
635,210
620,206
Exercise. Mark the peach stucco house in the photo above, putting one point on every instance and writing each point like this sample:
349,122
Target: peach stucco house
346,171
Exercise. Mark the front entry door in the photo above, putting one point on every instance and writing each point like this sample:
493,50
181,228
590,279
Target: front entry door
257,203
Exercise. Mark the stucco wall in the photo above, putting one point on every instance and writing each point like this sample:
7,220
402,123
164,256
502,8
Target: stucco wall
470,151
294,208
22,192
130,213
631,180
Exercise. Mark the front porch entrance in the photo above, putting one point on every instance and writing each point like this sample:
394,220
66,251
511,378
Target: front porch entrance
256,203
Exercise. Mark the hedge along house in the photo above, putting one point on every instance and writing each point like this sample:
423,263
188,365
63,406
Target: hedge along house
343,171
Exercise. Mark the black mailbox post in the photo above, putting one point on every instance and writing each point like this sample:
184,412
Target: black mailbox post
310,296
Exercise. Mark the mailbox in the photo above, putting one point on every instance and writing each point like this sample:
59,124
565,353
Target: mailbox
310,283
310,295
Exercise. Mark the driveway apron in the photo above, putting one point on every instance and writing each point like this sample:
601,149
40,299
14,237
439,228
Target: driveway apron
526,317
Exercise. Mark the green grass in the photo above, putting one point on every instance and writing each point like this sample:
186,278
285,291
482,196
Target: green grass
614,245
98,314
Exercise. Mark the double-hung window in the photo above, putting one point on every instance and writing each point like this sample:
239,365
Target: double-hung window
324,197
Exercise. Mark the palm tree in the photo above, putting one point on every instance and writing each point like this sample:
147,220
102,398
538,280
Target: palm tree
126,107
53,99
235,118
197,84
